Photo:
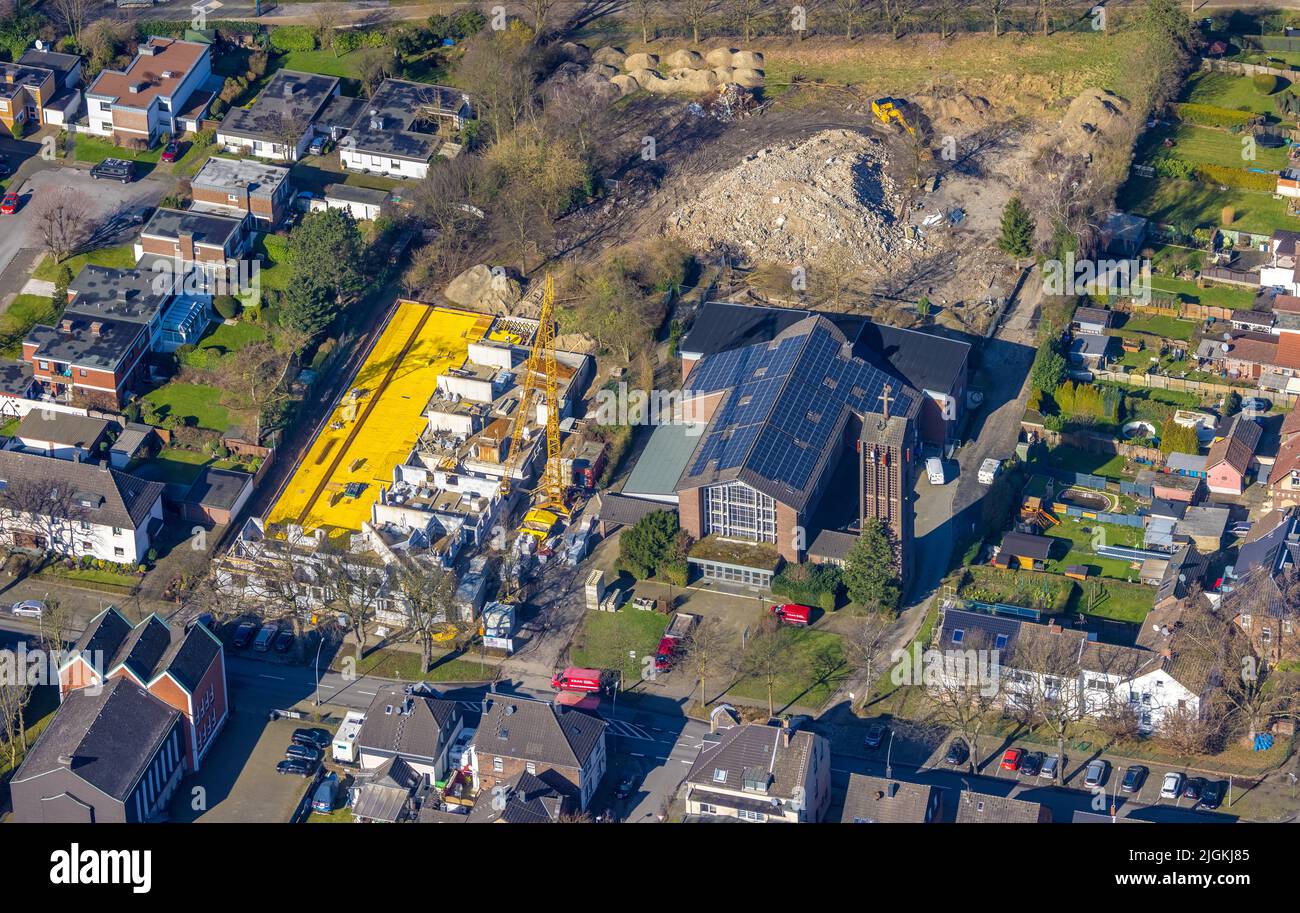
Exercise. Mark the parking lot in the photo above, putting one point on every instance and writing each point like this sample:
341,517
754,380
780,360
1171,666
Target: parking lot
239,781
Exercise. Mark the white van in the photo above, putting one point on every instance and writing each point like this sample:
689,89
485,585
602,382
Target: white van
344,748
989,470
934,469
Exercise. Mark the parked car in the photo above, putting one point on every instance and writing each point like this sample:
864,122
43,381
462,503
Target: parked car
1255,404
303,753
1032,764
1194,788
319,146
207,619
323,800
624,788
121,170
875,736
1011,758
1172,786
265,636
1053,764
1134,777
958,753
296,767
934,471
1096,773
244,635
10,204
171,152
312,738
1212,794
283,641
28,608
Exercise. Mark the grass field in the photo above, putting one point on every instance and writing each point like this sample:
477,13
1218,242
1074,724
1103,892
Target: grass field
605,640
23,313
1208,146
182,467
1098,464
1159,325
1213,295
405,665
1189,204
94,149
1225,90
223,342
200,402
816,671
1114,600
122,257
1078,544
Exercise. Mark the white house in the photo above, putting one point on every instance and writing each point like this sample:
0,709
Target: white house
151,95
412,723
401,127
75,509
760,773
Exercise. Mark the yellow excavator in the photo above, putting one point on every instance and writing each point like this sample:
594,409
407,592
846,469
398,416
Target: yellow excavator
890,111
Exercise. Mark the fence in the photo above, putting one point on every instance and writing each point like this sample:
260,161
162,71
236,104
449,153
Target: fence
1246,69
1137,489
1092,442
1182,384
1080,513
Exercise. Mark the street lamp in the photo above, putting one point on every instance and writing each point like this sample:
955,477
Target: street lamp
320,642
889,755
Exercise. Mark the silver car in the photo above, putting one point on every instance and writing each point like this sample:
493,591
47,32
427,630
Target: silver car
1051,766
1096,773
28,608
1172,787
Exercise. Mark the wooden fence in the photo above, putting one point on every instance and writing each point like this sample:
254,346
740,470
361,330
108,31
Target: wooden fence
1182,384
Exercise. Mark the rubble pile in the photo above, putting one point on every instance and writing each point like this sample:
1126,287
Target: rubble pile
683,72
789,204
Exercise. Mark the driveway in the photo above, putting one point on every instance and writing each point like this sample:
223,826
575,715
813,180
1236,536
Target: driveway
107,204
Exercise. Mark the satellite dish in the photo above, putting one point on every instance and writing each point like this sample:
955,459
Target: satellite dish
1227,337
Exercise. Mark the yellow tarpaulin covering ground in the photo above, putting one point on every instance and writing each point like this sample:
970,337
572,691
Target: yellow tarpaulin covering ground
378,420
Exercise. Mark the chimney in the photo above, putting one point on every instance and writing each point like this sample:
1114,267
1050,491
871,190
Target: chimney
66,324
65,760
787,735
1054,628
97,328
185,243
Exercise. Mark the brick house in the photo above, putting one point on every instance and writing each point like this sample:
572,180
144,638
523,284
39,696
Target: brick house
242,189
517,735
1228,464
194,238
147,99
1263,591
183,668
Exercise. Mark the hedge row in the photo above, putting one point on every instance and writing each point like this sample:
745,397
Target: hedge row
1239,178
1214,116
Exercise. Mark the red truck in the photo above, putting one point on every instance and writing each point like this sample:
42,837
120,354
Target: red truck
792,614
574,679
675,633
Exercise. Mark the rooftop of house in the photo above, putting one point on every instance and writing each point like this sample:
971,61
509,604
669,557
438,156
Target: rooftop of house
129,295
156,71
526,799
397,120
290,103
1090,315
105,736
769,762
537,731
218,488
227,175
99,344
783,408
408,723
50,60
1023,545
15,77
878,800
207,228
91,491
349,194
1237,447
61,428
15,378
983,808
1273,542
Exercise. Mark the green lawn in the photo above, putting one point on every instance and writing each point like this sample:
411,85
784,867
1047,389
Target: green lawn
37,715
23,313
200,402
1214,296
1158,325
816,671
605,640
122,257
1225,90
323,61
95,149
405,665
1117,601
93,575
1098,464
1208,146
1189,204
225,340
274,271
181,467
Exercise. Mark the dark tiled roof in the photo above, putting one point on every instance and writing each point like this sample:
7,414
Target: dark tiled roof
50,60
537,731
981,808
1092,315
1237,447
219,488
529,799
110,734
757,753
206,228
875,800
624,511
291,98
61,428
105,633
144,647
126,500
396,105
412,724
1023,545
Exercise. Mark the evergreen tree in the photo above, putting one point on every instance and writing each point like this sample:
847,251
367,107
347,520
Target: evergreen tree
1016,237
870,572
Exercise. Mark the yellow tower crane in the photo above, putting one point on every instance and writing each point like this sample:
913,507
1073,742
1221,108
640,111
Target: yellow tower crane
541,372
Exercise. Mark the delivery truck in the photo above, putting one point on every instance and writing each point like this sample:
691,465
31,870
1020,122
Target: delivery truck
792,614
592,681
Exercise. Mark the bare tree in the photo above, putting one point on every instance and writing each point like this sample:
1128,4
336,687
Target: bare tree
374,65
324,20
72,15
61,221
851,12
356,589
502,68
643,8
430,600
710,653
540,12
41,515
696,13
964,691
864,647
749,15
997,8
287,131
14,697
768,657
1050,664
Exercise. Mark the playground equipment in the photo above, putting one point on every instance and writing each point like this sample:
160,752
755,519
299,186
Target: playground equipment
1033,511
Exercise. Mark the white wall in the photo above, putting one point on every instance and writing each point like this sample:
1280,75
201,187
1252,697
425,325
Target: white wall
382,164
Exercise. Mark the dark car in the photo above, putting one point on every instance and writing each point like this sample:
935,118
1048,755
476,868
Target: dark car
1194,789
875,736
312,738
114,170
244,635
5,170
303,753
1032,764
1212,794
296,767
957,753
283,641
1134,777
624,788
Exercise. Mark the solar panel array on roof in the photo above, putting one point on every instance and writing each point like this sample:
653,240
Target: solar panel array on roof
786,401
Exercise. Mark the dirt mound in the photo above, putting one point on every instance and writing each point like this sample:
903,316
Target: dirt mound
626,84
788,204
641,62
1092,112
956,112
747,60
720,57
480,288
684,59
750,79
613,57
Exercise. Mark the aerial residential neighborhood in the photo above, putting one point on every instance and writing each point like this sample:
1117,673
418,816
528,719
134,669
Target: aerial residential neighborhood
649,413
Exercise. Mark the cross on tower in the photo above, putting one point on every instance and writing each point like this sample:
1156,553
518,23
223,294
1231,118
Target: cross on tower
886,400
